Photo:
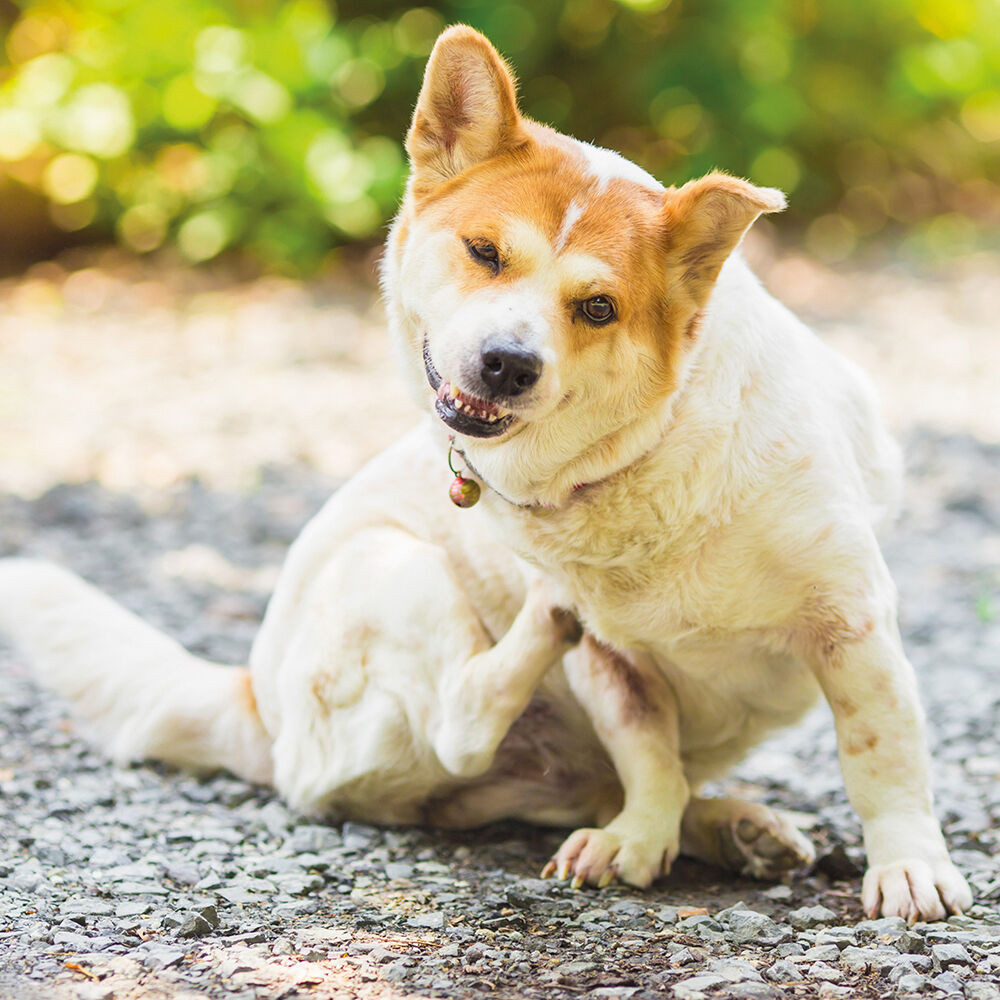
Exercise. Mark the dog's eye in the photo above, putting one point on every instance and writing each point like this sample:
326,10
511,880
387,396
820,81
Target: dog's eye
485,252
599,309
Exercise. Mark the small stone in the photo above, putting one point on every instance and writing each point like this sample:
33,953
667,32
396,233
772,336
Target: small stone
901,969
753,991
748,925
195,926
823,953
396,972
358,837
979,989
811,916
840,936
575,968
429,921
686,956
383,956
910,942
831,990
315,839
87,906
885,929
825,972
696,987
858,959
948,983
398,869
779,893
782,972
911,983
946,955
734,970
789,948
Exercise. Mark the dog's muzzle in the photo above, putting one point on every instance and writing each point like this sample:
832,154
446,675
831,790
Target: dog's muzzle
467,414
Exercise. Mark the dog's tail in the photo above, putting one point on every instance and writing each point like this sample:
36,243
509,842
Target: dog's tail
142,695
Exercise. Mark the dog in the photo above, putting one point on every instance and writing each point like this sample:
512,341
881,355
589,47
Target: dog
674,551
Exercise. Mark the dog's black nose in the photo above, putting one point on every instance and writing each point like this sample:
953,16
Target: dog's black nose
509,368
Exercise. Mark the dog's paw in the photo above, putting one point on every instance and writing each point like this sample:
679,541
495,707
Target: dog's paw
567,626
915,890
764,844
747,837
599,857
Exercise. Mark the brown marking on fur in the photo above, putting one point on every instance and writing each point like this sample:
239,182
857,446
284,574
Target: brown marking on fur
624,678
804,464
694,324
844,707
861,742
244,690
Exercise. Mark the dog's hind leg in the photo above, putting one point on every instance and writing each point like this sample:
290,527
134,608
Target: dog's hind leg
746,837
634,713
386,691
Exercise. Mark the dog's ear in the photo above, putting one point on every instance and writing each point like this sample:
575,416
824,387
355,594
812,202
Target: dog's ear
467,108
705,221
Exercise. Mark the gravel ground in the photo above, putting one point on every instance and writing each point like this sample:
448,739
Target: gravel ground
145,882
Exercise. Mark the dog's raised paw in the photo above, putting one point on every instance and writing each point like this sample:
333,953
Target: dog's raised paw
567,626
600,857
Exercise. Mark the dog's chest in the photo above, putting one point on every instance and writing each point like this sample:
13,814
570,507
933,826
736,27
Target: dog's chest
647,579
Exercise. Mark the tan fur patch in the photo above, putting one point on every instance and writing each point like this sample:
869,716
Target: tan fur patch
624,679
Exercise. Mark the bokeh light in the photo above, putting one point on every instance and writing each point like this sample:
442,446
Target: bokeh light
276,129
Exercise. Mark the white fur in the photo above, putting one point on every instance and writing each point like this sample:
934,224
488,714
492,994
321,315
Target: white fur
606,166
718,545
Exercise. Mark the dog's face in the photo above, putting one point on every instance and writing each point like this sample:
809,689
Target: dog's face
546,292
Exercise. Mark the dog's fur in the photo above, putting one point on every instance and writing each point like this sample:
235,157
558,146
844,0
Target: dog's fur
667,456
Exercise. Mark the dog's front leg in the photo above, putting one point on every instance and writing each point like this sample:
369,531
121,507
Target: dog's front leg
871,688
634,713
480,697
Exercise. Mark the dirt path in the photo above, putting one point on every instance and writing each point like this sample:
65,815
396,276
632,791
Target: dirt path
209,421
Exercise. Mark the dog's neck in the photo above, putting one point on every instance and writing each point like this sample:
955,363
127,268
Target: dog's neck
578,474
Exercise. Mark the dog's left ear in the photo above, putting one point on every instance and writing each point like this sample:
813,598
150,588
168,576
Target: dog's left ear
705,221
467,108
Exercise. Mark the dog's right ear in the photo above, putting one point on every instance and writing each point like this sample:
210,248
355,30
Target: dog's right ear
467,109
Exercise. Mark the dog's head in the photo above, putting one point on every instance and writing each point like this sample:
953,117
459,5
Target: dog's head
545,292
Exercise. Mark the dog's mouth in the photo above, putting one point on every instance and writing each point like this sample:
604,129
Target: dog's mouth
463,413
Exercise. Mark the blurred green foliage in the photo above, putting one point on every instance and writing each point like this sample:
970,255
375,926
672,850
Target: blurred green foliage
275,126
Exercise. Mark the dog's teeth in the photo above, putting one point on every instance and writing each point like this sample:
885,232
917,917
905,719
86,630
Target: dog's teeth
493,418
453,390
459,405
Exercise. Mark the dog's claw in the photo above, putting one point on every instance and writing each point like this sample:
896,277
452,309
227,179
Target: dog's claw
549,870
606,879
563,872
578,881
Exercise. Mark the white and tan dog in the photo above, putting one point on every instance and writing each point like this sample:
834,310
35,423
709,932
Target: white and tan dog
666,455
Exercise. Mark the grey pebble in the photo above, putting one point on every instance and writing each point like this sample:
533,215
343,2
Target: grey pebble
696,987
949,983
979,989
947,955
811,916
782,971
